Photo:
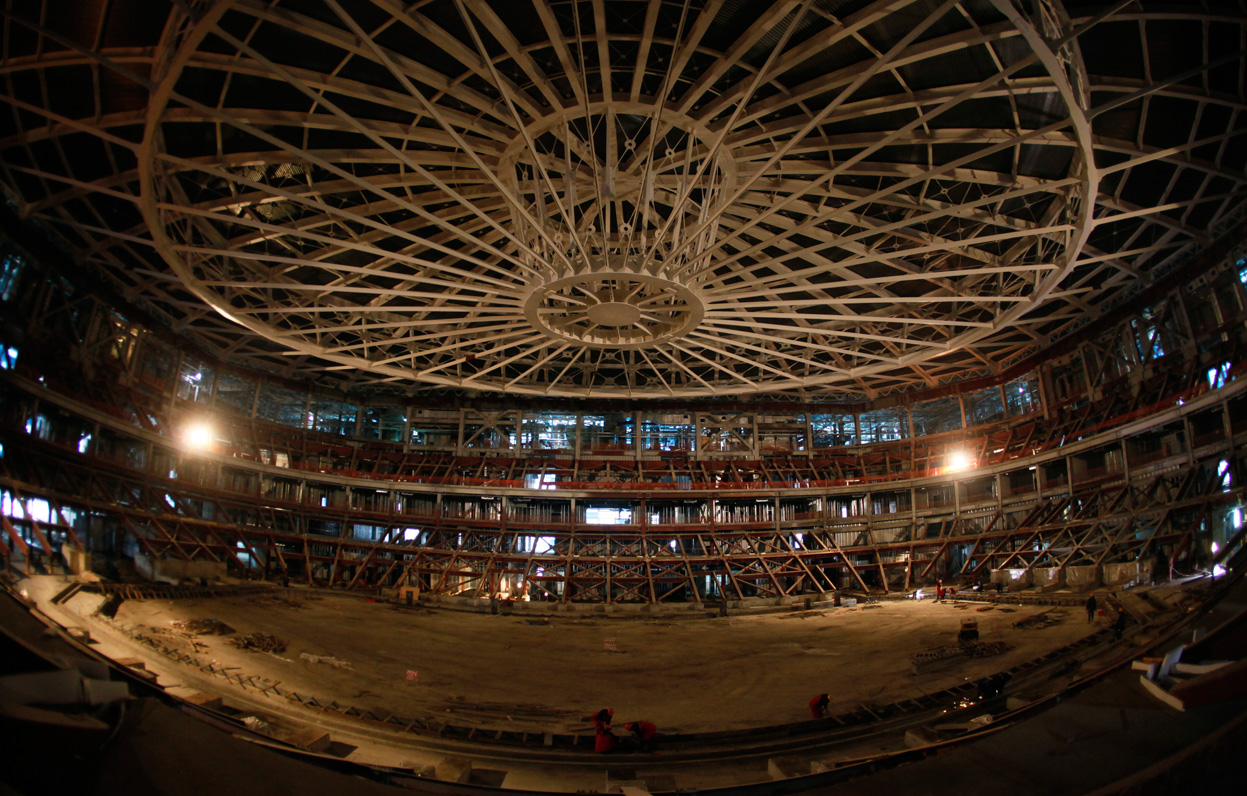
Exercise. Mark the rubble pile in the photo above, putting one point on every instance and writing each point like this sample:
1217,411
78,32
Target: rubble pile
260,642
984,649
328,659
204,627
171,637
935,654
1041,620
949,654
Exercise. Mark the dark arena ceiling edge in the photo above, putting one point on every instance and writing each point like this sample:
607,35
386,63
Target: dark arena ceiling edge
802,200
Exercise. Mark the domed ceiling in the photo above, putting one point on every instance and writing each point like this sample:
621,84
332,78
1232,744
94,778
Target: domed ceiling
828,199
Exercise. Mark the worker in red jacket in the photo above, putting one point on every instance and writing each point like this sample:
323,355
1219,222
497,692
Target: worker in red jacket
604,740
643,733
602,719
818,705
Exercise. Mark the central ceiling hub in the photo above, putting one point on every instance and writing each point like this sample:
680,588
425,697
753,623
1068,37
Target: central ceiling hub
612,307
614,313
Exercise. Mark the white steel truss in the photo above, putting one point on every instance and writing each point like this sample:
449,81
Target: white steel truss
623,198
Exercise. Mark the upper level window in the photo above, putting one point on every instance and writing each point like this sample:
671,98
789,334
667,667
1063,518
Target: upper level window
832,431
883,425
1022,395
607,516
984,406
1218,376
937,416
11,268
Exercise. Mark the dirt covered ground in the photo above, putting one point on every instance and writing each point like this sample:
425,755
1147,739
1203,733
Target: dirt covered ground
535,674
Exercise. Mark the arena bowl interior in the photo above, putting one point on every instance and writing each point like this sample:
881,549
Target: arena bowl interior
572,311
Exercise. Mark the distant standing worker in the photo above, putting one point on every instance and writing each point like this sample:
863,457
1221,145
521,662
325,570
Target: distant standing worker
1091,606
818,705
1119,624
643,732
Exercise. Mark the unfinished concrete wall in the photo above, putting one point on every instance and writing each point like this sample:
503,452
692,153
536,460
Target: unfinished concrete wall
171,570
1082,578
1047,578
1012,579
1121,574
79,561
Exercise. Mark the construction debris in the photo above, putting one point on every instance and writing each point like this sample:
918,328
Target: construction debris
170,637
259,642
935,657
204,627
1043,619
510,711
327,659
256,724
280,601
984,649
938,657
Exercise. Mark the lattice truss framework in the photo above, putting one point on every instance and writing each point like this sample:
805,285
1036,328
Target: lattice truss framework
621,198
1178,472
1089,527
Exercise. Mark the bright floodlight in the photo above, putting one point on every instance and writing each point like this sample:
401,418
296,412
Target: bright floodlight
959,460
198,435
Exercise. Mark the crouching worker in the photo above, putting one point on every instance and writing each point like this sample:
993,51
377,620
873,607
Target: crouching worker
643,733
604,740
602,719
818,705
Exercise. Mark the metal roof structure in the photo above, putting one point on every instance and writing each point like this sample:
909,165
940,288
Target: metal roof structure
809,199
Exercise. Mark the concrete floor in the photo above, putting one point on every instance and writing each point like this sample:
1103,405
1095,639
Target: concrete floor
529,674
